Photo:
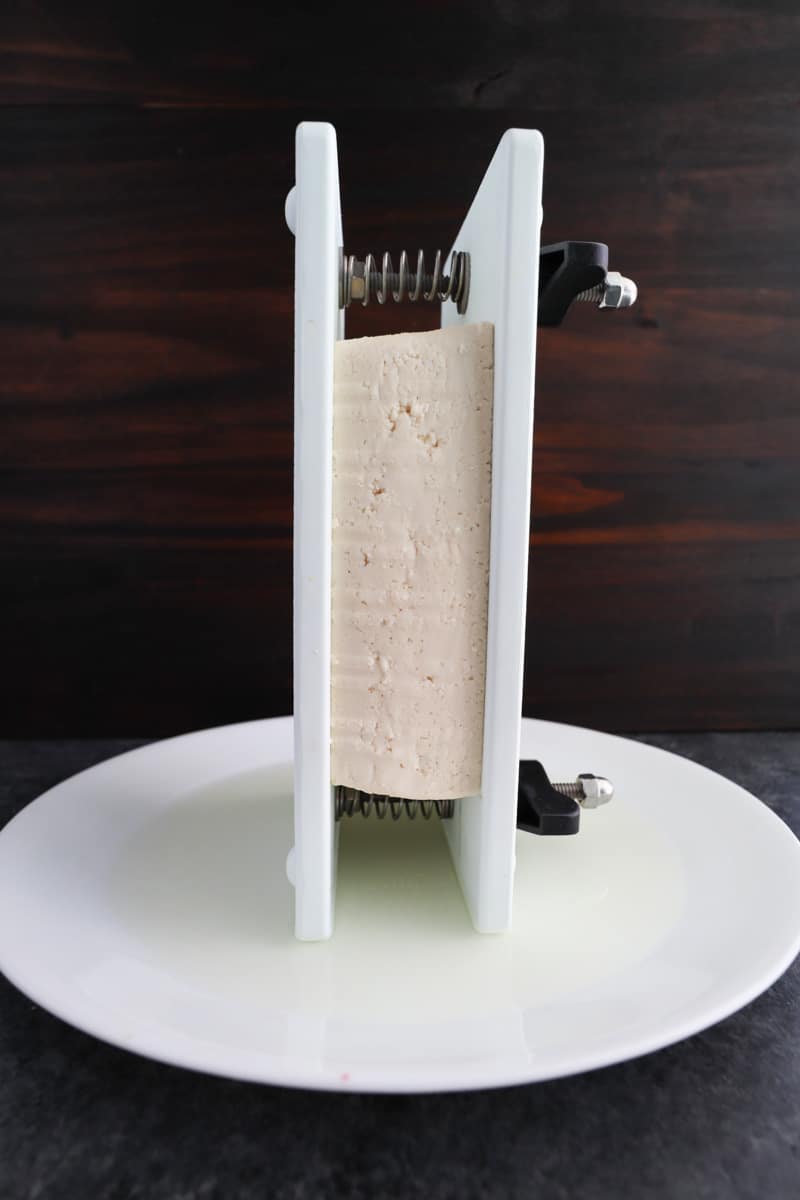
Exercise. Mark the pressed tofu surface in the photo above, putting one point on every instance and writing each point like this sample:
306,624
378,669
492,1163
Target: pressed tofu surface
412,447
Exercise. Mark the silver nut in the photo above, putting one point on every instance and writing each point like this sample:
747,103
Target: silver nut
596,790
619,292
358,283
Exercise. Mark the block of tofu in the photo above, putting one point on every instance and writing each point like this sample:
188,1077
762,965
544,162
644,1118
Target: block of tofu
412,449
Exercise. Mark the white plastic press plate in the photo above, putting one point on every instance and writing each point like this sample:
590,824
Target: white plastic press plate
502,234
313,213
145,901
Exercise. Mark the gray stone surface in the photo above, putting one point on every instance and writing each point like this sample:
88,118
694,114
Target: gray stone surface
716,1116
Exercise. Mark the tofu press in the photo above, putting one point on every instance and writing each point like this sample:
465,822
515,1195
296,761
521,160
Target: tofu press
483,283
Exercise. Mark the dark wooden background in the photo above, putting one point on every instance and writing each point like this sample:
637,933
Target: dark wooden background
145,151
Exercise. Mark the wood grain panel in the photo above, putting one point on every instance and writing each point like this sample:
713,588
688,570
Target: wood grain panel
429,54
145,329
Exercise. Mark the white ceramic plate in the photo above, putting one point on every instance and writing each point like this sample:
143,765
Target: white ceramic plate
145,901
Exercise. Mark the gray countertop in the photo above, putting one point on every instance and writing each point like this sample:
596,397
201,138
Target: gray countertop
716,1116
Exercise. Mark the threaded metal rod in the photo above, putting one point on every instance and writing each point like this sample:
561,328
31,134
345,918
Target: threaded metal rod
592,294
573,790
615,291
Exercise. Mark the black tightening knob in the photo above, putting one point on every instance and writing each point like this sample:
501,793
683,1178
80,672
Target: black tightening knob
579,271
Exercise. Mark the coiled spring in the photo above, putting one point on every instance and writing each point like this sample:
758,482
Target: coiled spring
363,280
349,801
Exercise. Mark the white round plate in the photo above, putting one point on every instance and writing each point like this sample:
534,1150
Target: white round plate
146,902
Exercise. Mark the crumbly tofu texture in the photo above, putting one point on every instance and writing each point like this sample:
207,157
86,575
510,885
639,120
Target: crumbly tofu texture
412,451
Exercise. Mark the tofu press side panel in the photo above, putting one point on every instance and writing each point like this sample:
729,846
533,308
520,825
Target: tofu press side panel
501,234
313,213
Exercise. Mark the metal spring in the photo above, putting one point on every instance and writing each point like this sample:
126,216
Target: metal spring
349,801
361,280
